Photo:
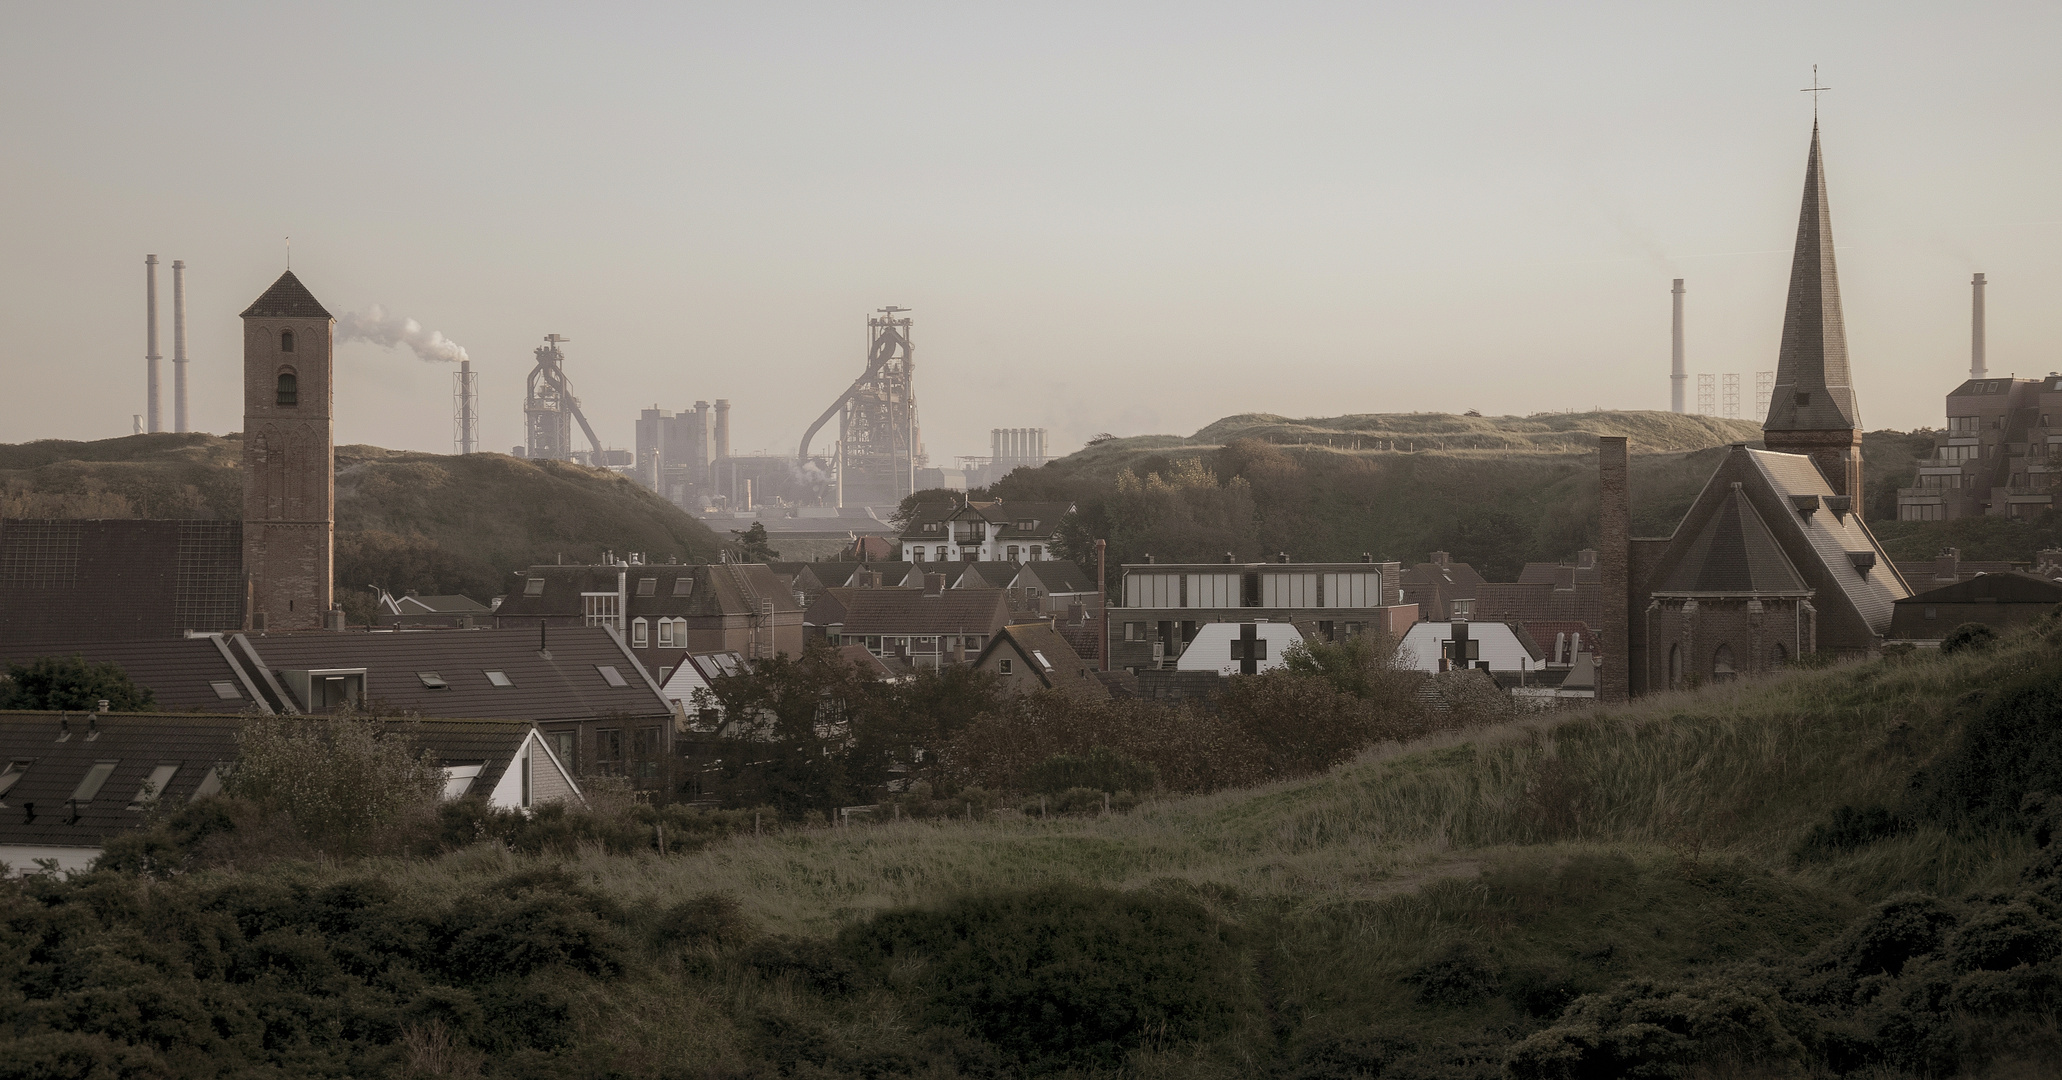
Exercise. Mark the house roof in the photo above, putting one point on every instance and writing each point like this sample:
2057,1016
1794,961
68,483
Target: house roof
1059,576
1046,654
869,665
2008,587
565,685
181,672
712,589
1834,539
911,611
1014,521
286,299
1734,551
61,750
989,574
440,605
116,579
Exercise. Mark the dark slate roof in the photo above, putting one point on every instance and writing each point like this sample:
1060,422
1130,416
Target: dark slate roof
2010,587
1833,539
869,665
713,589
1734,552
63,748
912,611
287,299
115,579
1813,356
1046,654
889,574
993,574
564,686
181,672
443,605
1060,576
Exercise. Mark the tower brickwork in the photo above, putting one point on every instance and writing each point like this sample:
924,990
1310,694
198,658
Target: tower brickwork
1813,410
289,457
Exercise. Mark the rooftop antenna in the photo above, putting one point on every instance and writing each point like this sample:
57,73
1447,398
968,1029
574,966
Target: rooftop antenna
1814,90
290,245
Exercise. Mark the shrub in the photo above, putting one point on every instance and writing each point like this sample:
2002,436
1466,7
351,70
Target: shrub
711,918
341,779
1970,636
1460,975
1067,975
2009,750
69,682
1102,769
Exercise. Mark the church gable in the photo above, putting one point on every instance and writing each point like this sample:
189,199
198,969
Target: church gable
1732,552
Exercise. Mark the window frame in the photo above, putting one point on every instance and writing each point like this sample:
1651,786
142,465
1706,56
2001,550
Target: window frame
286,389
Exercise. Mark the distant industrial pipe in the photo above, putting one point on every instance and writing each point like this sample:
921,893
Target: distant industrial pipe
179,345
722,427
1678,374
150,355
1977,368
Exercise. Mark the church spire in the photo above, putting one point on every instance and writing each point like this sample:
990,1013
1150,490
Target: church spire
1813,409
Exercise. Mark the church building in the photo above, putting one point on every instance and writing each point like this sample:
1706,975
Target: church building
1773,561
289,457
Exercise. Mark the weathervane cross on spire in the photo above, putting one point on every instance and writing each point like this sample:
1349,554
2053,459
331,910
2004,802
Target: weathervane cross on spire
1814,90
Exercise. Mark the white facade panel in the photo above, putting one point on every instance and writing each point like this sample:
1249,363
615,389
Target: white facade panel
1288,590
1213,590
1152,590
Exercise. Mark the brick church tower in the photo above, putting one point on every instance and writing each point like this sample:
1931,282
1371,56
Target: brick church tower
289,457
1813,411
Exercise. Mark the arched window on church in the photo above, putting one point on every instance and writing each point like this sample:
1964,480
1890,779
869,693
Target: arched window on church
1778,656
1722,664
286,341
1675,667
289,388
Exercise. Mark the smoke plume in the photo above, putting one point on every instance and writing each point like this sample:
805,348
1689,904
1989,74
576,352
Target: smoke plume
388,331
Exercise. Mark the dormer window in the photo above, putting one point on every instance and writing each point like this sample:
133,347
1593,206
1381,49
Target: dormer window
289,388
286,341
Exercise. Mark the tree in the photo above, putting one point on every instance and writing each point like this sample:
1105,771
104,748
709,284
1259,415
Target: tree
341,779
916,500
751,544
70,682
787,724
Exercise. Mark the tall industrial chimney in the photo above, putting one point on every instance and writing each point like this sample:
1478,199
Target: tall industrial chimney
722,428
150,355
179,345
466,388
1678,374
1976,364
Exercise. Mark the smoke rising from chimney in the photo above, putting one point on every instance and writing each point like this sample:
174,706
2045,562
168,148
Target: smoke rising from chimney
389,331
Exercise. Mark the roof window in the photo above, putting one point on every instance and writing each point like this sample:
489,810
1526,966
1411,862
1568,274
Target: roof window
500,678
458,779
534,587
610,675
95,778
211,784
154,785
432,680
12,775
1042,661
648,586
683,585
226,690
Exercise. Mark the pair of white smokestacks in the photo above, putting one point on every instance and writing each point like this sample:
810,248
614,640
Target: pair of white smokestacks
1679,376
152,416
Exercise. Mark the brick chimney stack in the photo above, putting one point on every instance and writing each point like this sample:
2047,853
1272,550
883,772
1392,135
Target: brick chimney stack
1614,558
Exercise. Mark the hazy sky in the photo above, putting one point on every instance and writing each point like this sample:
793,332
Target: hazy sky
1107,217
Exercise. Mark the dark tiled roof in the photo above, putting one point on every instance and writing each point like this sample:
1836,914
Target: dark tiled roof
868,664
996,574
713,589
566,686
115,580
1046,654
1734,552
138,743
287,299
448,605
1061,576
2009,587
181,672
912,611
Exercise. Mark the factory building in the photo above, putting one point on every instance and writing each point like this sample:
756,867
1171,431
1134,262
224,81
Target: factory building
676,451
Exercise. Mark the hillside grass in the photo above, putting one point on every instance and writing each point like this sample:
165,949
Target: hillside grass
1657,840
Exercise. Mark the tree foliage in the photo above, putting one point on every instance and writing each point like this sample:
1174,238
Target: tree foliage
72,683
341,779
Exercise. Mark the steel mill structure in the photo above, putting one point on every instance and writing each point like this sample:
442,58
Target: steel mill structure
879,447
550,409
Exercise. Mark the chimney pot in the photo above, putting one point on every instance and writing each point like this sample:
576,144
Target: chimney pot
1281,556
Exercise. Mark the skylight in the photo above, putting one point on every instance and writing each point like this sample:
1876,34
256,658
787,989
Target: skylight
458,779
226,690
500,678
12,776
433,680
610,675
1042,661
534,587
647,586
211,784
153,787
95,778
683,585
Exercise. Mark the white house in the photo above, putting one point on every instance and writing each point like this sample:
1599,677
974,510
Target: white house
1223,647
1498,644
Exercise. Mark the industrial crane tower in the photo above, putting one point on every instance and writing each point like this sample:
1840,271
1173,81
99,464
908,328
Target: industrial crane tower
879,446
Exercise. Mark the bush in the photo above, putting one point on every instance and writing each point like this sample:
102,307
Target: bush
712,918
1971,636
1066,975
1102,769
2009,750
1460,975
70,683
342,779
